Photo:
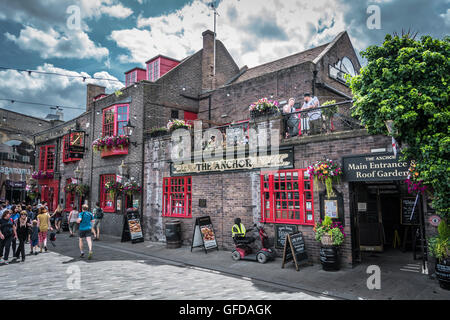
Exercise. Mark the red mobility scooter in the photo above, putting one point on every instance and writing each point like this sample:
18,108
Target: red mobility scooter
244,251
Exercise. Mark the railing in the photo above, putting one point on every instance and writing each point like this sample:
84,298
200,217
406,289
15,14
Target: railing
233,135
321,120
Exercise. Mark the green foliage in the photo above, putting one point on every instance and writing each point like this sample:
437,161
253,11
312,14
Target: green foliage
329,112
333,229
440,245
407,81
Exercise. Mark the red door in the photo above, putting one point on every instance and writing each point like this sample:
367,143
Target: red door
49,194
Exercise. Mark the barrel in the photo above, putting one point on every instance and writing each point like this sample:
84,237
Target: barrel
442,270
329,258
173,234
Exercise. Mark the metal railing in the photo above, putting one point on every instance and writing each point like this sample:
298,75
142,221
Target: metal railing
321,120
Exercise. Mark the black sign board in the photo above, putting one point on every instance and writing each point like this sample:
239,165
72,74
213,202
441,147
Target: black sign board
374,167
132,229
294,249
203,235
76,144
407,207
280,233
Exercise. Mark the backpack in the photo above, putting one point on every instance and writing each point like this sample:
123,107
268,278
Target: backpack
99,213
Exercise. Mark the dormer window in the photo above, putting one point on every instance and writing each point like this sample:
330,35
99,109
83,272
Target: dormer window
158,66
134,75
153,70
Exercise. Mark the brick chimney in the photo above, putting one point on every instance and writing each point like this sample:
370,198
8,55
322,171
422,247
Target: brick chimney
92,90
208,82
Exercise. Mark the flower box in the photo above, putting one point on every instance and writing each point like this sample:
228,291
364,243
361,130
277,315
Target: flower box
264,107
114,151
110,146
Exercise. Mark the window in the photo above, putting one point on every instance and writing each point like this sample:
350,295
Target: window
72,139
114,119
287,197
174,114
106,200
153,70
177,197
47,158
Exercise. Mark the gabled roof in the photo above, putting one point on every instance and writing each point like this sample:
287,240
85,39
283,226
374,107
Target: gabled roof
283,63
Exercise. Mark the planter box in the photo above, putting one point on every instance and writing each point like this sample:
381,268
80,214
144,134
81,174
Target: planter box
114,152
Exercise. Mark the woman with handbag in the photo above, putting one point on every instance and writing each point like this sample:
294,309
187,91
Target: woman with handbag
7,233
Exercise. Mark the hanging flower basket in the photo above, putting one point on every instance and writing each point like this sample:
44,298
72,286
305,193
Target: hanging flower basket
113,188
82,189
105,143
326,171
175,124
131,187
70,188
264,107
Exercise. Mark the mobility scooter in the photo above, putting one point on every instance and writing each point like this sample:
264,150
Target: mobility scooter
245,252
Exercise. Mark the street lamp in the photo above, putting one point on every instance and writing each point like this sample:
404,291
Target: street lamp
128,130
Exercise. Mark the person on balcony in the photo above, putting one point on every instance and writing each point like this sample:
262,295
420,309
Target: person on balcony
291,120
313,121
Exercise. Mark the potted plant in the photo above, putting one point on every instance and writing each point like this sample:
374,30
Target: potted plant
331,235
175,124
326,171
439,247
263,107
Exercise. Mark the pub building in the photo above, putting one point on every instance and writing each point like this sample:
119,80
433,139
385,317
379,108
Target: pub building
371,201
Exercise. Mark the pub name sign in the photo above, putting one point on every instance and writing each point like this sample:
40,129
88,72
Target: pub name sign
283,160
374,167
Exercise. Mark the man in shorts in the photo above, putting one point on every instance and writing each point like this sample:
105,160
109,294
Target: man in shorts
85,219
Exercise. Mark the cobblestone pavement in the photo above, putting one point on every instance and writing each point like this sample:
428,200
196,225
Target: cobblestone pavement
123,275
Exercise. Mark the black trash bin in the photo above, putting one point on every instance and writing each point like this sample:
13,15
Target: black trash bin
173,234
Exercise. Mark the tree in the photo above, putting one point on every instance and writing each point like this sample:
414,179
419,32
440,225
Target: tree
407,81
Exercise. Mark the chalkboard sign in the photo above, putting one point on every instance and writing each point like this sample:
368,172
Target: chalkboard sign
294,249
280,233
132,228
204,235
407,206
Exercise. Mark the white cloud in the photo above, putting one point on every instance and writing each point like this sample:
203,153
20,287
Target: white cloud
52,90
252,32
117,11
52,44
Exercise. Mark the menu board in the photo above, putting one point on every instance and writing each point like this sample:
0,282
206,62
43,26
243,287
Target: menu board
134,226
204,235
331,208
294,249
407,207
280,233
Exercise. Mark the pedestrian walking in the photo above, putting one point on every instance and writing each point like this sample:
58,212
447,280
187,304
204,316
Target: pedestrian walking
34,238
15,209
7,233
44,225
85,219
73,222
23,230
98,216
57,215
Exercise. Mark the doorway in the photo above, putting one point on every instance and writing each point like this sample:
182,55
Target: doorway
379,227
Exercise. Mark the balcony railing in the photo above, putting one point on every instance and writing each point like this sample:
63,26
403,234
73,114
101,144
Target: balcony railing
321,120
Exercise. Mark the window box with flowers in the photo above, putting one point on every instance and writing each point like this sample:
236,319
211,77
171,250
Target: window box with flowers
175,124
264,107
109,146
42,175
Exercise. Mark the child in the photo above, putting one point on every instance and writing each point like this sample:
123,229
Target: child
34,237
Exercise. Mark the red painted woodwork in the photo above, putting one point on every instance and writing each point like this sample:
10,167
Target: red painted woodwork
177,197
159,66
135,75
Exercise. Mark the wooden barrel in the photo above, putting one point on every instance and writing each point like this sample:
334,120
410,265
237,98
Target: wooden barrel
329,258
173,234
442,270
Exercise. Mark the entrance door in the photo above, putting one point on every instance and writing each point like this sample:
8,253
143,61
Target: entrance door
49,194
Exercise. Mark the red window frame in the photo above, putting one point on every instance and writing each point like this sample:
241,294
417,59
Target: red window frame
177,197
67,140
47,158
287,197
153,70
114,127
105,198
70,198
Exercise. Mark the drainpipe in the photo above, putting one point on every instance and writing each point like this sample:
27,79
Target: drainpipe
91,197
209,110
142,171
314,83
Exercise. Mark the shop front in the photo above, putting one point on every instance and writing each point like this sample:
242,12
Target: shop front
383,223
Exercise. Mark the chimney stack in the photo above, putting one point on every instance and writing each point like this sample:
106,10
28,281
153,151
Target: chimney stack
92,90
208,81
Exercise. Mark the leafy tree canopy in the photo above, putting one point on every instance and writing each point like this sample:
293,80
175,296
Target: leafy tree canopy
407,81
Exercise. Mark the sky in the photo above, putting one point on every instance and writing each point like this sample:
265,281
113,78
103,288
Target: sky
113,36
